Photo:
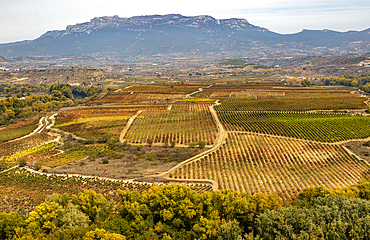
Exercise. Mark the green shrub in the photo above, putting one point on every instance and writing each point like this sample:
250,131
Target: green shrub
150,142
37,165
22,162
68,145
192,145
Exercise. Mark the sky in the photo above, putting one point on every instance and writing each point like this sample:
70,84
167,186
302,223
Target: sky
29,19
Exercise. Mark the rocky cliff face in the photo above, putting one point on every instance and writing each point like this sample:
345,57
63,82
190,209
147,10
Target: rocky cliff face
199,23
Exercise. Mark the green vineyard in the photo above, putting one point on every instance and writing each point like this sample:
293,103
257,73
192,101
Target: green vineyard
292,104
311,126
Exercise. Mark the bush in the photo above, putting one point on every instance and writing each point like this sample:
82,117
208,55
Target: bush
105,138
93,156
105,161
37,165
68,145
111,143
22,162
173,143
201,144
192,145
150,142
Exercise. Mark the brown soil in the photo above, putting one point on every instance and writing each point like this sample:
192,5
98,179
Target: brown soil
130,162
360,148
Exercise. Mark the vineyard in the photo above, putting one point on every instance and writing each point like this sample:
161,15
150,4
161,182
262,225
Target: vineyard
311,126
137,97
10,148
72,155
267,91
183,123
253,163
148,94
93,123
262,138
292,104
18,130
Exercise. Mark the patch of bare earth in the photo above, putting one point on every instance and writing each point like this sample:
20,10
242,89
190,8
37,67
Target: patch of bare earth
130,162
360,148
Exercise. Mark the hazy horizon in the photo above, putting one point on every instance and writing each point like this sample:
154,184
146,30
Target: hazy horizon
27,20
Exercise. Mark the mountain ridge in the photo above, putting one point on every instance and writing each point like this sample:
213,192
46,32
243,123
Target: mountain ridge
175,33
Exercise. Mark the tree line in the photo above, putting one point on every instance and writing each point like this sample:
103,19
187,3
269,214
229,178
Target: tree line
25,104
362,81
177,212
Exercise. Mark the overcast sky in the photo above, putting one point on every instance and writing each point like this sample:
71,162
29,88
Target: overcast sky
28,19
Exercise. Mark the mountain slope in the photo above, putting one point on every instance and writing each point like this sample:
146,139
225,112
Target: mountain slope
169,34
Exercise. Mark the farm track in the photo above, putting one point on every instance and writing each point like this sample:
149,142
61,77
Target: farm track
129,123
83,176
45,123
220,140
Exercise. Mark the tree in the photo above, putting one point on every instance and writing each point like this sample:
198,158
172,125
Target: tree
72,219
201,144
9,223
101,234
229,231
45,216
330,217
94,205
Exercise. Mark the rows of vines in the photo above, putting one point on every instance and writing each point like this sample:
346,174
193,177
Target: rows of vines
311,126
292,104
254,163
183,123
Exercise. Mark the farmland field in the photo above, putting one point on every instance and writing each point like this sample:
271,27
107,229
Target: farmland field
183,123
311,126
253,163
147,94
9,148
248,138
93,123
292,104
18,130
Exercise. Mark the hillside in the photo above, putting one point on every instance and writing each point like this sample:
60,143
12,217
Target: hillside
74,76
